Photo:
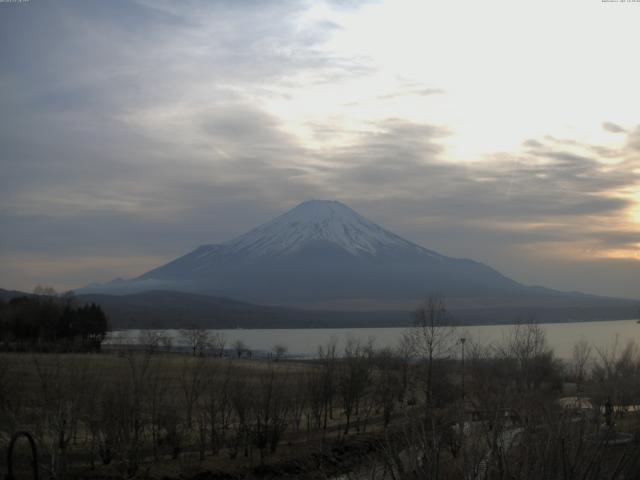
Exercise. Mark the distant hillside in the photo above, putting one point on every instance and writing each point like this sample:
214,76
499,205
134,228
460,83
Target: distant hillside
7,295
171,309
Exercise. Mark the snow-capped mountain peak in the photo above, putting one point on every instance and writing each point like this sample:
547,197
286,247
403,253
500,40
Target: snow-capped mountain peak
317,220
321,251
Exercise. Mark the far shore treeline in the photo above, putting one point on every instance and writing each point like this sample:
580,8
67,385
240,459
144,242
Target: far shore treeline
46,321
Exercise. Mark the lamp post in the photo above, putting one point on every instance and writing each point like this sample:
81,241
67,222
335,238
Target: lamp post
462,340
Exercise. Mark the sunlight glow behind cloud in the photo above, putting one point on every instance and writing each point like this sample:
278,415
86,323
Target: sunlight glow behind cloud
510,71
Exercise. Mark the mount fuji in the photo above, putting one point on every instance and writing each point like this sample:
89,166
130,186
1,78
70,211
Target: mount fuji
321,253
324,259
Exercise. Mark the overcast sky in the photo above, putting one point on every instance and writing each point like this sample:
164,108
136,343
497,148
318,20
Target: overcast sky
506,132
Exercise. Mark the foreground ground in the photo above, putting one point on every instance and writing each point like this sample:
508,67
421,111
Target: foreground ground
361,414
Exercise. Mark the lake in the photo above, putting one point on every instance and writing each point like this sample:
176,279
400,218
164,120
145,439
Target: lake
304,342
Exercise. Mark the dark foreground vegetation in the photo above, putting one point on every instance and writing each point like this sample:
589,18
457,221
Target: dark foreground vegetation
422,411
47,321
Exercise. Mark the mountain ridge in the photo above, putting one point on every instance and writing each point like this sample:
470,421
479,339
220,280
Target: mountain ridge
321,252
162,309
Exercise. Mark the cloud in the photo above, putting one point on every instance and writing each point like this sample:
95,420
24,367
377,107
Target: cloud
422,92
541,184
613,128
534,144
103,109
549,200
633,142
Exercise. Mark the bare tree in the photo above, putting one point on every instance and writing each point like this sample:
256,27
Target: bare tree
217,407
8,380
196,339
329,363
354,378
118,424
218,342
280,350
44,291
404,352
240,347
387,383
133,424
156,402
314,392
526,345
192,382
150,340
270,407
167,342
64,388
616,372
240,398
433,336
580,362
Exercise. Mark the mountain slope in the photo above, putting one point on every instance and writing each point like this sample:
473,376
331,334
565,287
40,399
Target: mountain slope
171,309
322,254
321,251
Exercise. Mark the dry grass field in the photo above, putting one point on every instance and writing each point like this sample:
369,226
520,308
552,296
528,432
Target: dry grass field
130,414
380,415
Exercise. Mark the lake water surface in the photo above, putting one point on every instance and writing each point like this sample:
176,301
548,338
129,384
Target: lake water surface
305,342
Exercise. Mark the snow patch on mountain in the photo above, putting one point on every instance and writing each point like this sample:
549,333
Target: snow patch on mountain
318,220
